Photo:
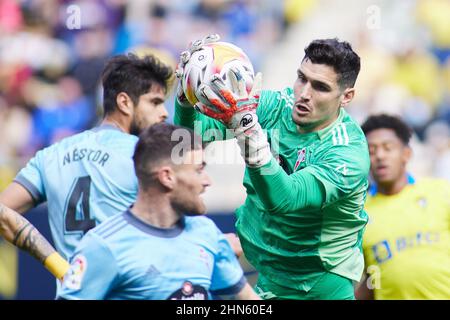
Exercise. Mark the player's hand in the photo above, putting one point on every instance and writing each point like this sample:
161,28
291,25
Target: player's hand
193,46
184,59
235,107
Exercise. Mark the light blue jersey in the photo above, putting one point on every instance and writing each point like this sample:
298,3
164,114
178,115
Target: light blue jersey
126,258
84,179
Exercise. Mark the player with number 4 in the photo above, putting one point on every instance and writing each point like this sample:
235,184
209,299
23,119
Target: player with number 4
90,176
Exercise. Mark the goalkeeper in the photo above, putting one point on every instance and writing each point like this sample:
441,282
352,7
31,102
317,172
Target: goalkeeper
302,223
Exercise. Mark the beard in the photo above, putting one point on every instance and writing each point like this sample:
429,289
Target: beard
189,208
135,128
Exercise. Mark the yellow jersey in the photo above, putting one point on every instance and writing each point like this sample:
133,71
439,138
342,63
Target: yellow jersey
407,244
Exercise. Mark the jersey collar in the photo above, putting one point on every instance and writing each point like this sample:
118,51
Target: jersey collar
155,231
105,127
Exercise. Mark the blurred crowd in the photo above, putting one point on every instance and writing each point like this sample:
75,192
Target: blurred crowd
52,53
405,70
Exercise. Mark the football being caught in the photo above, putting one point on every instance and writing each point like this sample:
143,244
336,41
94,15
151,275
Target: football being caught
215,58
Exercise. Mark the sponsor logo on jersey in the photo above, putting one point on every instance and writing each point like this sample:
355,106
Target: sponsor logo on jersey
187,288
189,291
246,120
386,250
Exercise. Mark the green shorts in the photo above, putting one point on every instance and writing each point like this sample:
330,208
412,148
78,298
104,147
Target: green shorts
330,286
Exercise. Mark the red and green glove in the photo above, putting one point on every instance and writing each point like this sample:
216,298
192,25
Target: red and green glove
236,109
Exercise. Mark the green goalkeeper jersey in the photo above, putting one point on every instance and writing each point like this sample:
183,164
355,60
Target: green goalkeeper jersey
303,214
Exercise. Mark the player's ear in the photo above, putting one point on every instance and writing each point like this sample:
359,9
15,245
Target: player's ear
347,96
124,103
166,177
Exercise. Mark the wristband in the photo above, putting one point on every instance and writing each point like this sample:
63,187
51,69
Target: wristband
57,265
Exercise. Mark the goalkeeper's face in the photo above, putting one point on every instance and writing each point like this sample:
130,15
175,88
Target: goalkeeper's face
149,110
318,96
191,181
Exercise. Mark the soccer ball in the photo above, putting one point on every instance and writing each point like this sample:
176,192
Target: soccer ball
215,58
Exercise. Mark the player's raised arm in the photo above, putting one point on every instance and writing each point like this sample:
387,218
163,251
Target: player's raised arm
315,186
283,193
21,233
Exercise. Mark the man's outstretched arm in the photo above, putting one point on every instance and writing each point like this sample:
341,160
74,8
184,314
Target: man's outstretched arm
21,233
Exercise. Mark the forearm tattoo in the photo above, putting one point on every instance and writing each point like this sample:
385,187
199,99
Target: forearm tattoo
26,236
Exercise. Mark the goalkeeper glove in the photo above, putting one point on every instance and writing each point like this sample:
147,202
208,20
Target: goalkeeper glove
236,108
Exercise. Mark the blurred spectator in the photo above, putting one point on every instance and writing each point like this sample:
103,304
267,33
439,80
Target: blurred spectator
69,113
437,138
434,14
406,72
10,17
406,239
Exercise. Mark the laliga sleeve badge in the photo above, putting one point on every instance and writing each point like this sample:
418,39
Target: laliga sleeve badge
74,276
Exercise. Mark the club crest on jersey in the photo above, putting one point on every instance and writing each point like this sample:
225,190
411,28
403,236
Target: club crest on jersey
74,276
301,155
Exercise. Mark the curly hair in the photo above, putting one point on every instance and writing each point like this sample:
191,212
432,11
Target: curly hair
385,121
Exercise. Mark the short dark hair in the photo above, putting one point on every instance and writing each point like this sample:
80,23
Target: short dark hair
132,75
157,143
385,121
337,54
